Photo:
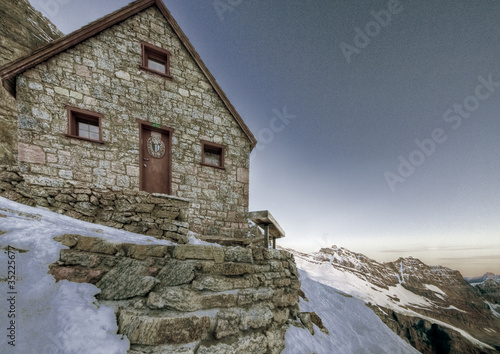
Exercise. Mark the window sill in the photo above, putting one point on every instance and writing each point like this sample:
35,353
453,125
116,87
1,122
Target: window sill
215,166
159,73
85,139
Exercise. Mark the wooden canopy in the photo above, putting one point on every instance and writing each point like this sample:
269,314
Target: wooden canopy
264,218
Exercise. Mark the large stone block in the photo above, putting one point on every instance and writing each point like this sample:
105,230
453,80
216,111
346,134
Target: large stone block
126,280
77,274
220,283
228,269
31,153
176,273
89,260
184,299
156,330
199,252
238,254
232,321
144,251
275,254
258,316
144,208
96,245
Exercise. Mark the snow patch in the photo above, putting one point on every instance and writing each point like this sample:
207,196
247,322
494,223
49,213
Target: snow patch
194,240
434,289
52,317
493,309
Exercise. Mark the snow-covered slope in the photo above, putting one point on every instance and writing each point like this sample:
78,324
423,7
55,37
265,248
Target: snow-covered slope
353,327
407,291
51,317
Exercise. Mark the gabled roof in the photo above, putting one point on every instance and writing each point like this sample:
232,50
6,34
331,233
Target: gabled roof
9,71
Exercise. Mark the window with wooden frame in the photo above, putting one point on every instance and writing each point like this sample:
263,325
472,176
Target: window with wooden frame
84,124
212,154
155,59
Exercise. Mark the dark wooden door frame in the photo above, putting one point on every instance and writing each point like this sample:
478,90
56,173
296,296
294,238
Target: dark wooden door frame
160,129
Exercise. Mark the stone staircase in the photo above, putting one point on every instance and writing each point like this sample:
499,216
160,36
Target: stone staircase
189,298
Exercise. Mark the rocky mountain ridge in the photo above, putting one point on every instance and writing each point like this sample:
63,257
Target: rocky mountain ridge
483,278
432,307
22,29
488,287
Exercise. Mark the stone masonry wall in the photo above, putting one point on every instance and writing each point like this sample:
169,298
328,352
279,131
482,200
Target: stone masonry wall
102,74
189,298
161,216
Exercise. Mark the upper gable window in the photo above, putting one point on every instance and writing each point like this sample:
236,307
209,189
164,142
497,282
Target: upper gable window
212,154
84,124
155,59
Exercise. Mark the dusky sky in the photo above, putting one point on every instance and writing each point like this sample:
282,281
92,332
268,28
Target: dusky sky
378,121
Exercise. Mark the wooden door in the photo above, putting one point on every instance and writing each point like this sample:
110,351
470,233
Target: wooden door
155,160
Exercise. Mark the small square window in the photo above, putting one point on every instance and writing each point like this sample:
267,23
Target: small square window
212,154
155,59
83,124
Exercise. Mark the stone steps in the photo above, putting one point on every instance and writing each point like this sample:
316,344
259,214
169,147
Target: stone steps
188,298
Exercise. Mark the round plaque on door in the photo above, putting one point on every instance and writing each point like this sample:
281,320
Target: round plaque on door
156,147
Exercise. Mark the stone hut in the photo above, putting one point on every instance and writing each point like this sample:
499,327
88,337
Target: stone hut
121,123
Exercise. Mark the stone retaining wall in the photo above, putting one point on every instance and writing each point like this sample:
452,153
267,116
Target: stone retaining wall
189,298
158,215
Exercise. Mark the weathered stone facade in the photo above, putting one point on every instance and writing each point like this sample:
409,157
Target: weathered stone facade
190,298
102,74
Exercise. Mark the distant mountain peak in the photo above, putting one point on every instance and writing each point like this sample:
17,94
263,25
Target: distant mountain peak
437,295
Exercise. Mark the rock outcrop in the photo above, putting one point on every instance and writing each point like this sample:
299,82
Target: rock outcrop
426,336
22,29
488,287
